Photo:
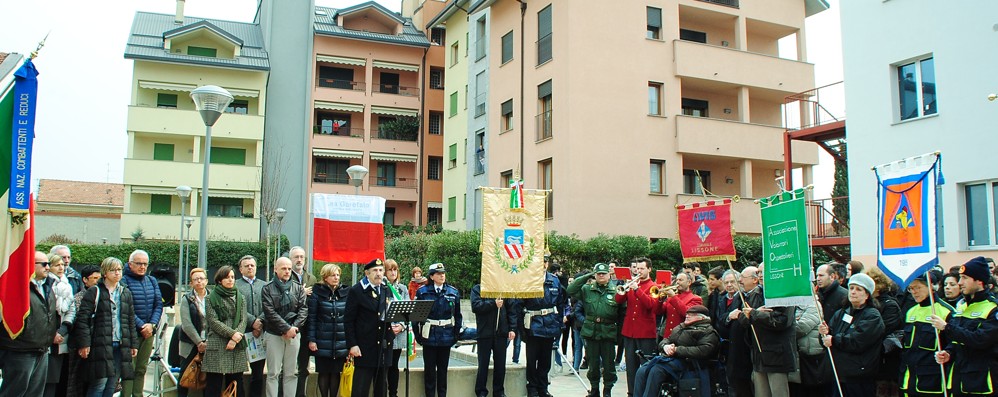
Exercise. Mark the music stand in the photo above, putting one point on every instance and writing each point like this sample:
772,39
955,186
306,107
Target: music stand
158,337
406,312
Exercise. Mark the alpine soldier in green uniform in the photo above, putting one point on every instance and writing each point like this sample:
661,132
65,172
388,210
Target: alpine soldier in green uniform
919,374
974,335
600,327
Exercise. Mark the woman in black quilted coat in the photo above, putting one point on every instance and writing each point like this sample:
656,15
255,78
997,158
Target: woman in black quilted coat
326,329
106,353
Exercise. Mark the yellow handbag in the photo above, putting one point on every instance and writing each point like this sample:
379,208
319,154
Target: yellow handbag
346,378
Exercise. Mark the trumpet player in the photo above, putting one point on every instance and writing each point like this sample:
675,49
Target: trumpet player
678,299
639,323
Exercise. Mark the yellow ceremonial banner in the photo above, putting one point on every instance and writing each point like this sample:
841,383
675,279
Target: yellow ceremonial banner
513,245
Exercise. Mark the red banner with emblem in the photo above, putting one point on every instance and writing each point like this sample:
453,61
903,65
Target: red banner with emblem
705,231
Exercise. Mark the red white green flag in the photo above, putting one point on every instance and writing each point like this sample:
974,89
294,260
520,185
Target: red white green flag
516,196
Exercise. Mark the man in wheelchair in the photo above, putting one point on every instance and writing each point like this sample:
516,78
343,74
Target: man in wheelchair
691,342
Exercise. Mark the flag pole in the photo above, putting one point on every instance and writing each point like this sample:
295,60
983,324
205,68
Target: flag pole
745,304
939,346
831,359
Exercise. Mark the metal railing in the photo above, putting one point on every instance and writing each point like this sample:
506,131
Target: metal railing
544,125
404,183
396,89
729,3
479,162
544,50
341,131
392,136
814,107
821,218
341,84
322,177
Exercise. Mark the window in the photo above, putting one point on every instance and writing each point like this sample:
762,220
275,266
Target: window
545,128
982,213
465,97
438,36
506,123
655,99
451,209
452,156
166,101
693,184
434,168
480,43
453,104
505,178
389,83
481,94
464,208
434,215
328,123
386,174
544,35
389,216
916,89
695,107
329,170
238,106
657,172
545,169
480,152
466,43
436,123
454,53
654,23
507,47
436,78
226,155
160,204
162,151
334,77
693,35
201,51
225,207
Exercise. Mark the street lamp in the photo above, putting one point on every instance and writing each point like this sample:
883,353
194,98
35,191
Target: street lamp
188,221
184,192
357,174
279,214
210,101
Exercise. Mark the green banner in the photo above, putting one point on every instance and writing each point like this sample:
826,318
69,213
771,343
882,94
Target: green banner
785,250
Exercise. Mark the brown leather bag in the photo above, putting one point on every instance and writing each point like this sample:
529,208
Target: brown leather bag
231,390
193,378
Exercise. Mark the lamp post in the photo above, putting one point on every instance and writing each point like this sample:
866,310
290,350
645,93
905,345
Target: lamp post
188,220
210,101
279,214
357,174
184,192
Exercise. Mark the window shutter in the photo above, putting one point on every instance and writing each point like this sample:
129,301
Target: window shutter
544,22
507,107
507,47
655,17
453,153
544,89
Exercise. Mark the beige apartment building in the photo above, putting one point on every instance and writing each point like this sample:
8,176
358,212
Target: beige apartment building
627,108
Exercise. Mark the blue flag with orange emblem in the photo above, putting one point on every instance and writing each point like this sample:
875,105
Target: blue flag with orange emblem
906,214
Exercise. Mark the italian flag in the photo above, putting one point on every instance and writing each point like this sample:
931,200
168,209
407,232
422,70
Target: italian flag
17,238
347,229
516,196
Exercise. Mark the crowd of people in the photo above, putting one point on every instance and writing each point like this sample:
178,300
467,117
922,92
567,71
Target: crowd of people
91,331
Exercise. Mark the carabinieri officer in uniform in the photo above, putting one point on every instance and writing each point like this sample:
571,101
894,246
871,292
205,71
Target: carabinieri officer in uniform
440,331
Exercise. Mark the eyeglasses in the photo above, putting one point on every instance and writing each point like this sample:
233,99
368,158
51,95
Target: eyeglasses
45,264
140,264
118,270
199,279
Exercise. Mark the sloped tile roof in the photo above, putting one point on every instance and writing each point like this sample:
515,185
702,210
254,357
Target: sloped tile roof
325,24
145,41
78,192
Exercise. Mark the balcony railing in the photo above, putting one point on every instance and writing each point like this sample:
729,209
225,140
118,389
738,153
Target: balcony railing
479,162
341,131
404,183
322,177
827,218
397,89
729,3
814,107
394,136
544,126
341,84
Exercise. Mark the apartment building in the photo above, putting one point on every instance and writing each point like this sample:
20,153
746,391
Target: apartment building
624,111
174,54
925,93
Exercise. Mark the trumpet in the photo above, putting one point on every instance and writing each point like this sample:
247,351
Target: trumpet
660,291
622,289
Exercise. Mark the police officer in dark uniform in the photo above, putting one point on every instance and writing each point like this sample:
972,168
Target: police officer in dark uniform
440,331
973,335
540,322
368,335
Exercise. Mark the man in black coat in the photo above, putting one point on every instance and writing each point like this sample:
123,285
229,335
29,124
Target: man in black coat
832,294
774,340
493,318
369,336
24,358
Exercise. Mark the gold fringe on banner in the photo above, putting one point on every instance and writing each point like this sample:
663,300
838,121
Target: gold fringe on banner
513,244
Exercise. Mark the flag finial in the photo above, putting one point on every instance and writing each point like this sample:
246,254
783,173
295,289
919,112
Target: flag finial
34,54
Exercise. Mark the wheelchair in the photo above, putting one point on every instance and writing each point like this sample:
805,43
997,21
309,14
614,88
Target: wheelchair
699,378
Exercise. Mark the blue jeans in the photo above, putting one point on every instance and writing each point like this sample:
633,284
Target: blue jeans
104,387
517,343
24,373
577,348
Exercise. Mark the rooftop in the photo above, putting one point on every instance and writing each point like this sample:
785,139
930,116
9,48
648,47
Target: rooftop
326,24
145,42
55,191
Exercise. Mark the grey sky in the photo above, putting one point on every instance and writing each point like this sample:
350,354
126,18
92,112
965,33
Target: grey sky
85,81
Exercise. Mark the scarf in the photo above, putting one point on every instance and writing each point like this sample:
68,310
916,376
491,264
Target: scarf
215,300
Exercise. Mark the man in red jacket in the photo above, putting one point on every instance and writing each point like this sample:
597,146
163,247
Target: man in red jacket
639,322
678,301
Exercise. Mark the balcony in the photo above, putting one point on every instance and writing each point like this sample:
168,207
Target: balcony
397,90
173,173
151,119
716,137
545,129
396,136
405,183
322,177
166,227
340,84
742,68
729,3
401,189
338,131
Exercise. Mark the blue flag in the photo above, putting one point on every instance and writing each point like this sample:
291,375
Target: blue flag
23,130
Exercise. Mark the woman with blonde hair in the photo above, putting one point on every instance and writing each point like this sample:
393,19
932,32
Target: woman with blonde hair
327,330
225,355
192,321
402,339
